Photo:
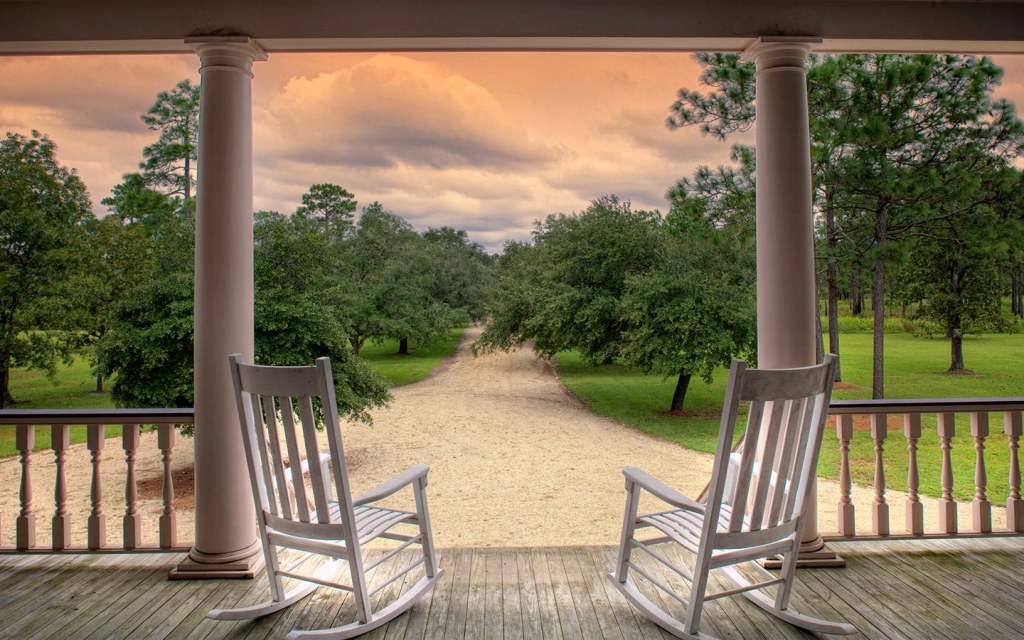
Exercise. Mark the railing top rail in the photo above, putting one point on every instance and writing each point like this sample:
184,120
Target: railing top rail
924,405
96,416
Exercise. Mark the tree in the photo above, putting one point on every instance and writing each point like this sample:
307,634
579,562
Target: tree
149,343
133,201
459,271
112,261
43,206
693,313
170,161
330,206
297,310
955,268
578,267
389,276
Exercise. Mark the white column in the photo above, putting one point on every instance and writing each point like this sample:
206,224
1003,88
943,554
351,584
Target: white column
225,541
786,299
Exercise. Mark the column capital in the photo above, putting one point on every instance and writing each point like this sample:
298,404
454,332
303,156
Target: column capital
773,52
227,52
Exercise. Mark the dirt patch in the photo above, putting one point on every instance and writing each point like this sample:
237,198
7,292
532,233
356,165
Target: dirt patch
184,483
846,386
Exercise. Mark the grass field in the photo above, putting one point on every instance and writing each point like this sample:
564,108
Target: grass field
74,386
915,368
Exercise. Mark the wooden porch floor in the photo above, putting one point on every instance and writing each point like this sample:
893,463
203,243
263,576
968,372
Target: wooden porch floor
896,589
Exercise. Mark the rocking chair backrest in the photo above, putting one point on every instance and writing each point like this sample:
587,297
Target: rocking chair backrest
767,480
276,409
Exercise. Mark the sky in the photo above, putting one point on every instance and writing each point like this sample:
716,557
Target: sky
485,142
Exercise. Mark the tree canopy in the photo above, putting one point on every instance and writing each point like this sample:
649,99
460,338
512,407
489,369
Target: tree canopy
43,209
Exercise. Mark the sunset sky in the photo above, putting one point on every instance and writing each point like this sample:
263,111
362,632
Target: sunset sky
482,142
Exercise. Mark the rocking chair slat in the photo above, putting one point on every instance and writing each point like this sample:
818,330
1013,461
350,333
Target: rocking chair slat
756,501
294,466
277,507
337,529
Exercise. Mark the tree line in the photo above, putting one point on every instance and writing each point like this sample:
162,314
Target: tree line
119,288
918,202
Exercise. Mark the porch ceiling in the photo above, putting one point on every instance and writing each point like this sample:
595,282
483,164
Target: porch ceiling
129,26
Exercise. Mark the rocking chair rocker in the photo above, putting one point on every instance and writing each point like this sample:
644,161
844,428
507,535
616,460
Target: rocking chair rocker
755,503
337,528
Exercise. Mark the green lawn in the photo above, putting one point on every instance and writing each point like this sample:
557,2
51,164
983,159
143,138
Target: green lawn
419,364
915,368
74,386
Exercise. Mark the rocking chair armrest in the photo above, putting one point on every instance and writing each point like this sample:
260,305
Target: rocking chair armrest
324,461
660,490
403,479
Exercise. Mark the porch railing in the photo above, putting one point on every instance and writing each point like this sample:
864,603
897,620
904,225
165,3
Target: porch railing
978,420
862,419
60,422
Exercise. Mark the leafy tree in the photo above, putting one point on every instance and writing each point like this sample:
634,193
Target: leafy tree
693,313
43,206
389,275
297,305
955,268
112,261
329,205
459,271
149,342
580,264
133,201
170,161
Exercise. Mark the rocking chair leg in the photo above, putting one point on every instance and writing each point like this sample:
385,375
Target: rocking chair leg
276,604
786,615
628,529
426,533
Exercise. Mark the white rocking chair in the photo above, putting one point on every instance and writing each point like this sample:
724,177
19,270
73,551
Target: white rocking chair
755,505
267,399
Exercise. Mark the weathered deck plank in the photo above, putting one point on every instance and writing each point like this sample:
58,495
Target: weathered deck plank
894,589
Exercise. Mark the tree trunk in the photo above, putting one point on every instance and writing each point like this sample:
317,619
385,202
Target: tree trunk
832,279
5,392
403,346
954,323
99,383
956,355
680,393
819,342
878,308
856,294
1017,292
357,344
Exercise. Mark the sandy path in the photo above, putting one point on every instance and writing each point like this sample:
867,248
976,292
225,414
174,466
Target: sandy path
515,461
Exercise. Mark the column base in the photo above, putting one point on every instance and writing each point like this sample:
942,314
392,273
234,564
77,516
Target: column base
813,555
233,566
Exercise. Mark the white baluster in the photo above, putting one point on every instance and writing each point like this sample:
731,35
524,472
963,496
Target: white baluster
1014,504
26,521
981,508
60,440
914,508
879,508
132,520
168,518
847,516
947,506
97,523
